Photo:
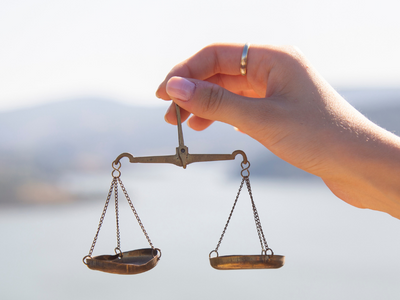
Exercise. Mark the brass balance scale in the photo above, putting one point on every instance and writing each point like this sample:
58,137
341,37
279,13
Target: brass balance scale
142,260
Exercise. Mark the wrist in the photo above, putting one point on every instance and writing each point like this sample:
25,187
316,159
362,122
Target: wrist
367,169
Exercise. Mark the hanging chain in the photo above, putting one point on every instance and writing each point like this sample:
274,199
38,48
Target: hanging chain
245,178
116,173
118,248
230,215
263,241
135,213
113,183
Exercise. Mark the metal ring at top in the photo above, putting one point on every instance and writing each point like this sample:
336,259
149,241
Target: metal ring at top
115,165
117,173
243,61
245,165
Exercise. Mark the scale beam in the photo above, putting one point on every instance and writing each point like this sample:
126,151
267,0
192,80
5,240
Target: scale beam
177,158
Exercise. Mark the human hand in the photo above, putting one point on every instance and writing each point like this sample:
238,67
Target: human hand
287,106
281,102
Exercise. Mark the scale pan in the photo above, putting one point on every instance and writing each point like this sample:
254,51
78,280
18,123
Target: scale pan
237,262
131,262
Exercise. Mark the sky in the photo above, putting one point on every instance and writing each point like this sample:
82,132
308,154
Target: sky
122,50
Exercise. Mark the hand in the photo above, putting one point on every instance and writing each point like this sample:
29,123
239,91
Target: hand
287,106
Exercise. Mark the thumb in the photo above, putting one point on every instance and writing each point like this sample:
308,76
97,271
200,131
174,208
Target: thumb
207,100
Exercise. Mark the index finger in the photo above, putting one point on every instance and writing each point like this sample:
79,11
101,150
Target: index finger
211,60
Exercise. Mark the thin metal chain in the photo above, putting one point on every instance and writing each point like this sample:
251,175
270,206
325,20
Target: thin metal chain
245,178
260,232
230,215
117,216
134,212
113,183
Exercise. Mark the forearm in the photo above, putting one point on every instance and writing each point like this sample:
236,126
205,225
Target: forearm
367,169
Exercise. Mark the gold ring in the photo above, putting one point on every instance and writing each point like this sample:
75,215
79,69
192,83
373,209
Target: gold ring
243,61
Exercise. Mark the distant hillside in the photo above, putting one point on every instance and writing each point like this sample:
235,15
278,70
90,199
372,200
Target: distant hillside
39,145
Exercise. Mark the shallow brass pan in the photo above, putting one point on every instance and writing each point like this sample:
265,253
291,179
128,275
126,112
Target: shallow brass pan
237,262
130,262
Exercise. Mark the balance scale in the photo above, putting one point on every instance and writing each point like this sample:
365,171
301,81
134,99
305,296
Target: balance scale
142,260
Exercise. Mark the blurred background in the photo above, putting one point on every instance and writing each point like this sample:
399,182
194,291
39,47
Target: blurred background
77,84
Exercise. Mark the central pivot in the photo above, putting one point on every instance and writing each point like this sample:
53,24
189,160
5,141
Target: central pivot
182,150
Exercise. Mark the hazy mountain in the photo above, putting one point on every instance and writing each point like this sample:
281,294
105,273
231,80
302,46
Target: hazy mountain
41,144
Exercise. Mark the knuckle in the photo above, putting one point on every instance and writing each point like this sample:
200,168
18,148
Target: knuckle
213,99
292,53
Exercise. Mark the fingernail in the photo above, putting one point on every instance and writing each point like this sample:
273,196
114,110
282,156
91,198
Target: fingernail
180,88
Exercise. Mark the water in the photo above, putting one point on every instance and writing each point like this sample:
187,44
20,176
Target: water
333,251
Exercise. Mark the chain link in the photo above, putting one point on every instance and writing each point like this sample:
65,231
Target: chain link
135,213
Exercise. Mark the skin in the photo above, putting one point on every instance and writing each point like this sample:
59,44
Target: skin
288,107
